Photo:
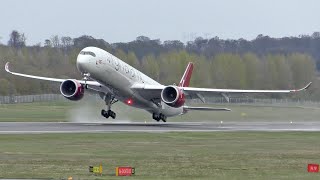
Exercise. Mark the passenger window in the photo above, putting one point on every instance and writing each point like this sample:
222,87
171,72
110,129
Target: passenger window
116,63
132,73
126,68
141,78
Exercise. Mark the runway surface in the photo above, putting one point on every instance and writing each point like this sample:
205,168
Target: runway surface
67,127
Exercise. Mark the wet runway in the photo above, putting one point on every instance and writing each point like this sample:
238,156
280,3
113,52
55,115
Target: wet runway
68,127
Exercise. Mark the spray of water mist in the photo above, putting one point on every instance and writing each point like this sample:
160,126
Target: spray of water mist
88,111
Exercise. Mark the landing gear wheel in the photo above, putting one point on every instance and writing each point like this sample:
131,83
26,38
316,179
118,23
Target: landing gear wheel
104,113
112,114
159,117
109,99
108,114
156,117
163,118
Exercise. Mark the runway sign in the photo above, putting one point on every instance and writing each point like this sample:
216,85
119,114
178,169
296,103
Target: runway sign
96,169
313,167
125,171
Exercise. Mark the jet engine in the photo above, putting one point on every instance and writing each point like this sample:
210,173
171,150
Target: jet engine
72,90
172,96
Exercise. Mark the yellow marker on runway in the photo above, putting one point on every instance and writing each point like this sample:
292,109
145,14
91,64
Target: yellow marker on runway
96,169
100,169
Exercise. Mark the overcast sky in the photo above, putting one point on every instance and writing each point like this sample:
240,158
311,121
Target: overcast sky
124,20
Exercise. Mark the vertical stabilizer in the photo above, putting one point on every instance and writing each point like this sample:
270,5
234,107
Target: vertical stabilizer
185,80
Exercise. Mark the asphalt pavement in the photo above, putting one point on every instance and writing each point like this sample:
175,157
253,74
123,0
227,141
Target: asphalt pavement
154,127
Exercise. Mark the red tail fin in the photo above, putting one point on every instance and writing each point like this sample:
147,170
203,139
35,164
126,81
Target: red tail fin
185,80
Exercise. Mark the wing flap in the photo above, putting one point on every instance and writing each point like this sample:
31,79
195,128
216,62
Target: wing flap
150,92
188,108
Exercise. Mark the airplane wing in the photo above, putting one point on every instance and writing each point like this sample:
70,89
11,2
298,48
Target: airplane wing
201,93
92,83
154,91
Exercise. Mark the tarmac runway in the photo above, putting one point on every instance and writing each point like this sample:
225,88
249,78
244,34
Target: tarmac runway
69,127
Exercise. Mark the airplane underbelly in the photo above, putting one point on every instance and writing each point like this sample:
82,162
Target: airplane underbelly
139,102
170,111
120,85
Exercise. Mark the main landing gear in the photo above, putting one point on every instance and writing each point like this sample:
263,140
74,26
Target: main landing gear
159,117
109,112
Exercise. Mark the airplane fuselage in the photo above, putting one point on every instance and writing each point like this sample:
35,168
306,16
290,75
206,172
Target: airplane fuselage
119,77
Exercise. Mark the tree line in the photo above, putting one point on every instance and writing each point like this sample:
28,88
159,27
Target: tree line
263,63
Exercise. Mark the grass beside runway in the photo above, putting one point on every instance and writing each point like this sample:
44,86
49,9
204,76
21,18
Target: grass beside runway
88,110
35,112
219,155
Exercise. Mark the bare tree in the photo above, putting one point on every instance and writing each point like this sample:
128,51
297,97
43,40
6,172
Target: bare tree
47,43
17,40
66,41
142,38
55,41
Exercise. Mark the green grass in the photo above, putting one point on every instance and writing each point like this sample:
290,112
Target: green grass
219,155
89,110
45,112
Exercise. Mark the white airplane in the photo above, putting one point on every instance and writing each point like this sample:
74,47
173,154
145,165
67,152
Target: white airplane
115,80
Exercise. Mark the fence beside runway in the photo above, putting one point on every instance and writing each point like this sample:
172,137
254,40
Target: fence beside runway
30,98
259,101
212,100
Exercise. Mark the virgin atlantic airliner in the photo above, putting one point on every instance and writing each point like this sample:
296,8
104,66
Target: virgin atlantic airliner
115,80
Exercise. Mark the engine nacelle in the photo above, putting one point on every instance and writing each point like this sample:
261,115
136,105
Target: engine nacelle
72,90
172,96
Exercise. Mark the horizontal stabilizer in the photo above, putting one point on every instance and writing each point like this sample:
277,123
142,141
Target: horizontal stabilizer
188,108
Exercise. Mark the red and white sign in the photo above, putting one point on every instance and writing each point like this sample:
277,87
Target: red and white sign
313,167
124,171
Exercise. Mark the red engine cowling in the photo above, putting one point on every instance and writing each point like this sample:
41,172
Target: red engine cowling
172,96
72,90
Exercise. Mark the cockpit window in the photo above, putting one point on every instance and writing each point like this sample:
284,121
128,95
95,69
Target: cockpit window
88,53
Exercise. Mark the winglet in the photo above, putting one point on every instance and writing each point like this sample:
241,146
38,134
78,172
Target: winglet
307,86
6,67
304,88
185,80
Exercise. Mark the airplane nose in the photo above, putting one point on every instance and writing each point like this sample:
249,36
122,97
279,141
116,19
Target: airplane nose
81,63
